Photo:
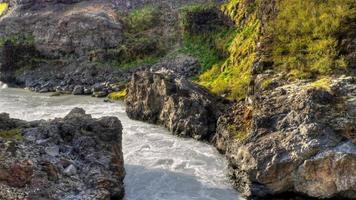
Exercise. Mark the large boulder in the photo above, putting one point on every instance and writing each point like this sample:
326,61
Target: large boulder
76,157
183,107
64,27
300,139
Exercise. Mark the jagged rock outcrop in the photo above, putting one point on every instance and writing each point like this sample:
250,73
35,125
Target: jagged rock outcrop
65,27
183,107
76,157
300,139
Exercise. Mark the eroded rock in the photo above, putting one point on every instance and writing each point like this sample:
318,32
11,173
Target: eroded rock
301,140
183,107
76,157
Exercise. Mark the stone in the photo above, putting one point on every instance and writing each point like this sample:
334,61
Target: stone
78,90
52,150
70,170
292,139
66,161
185,108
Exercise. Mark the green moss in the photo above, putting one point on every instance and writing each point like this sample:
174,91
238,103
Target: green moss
239,135
11,134
323,83
117,95
142,43
209,49
233,76
266,83
142,19
18,39
3,8
304,33
208,39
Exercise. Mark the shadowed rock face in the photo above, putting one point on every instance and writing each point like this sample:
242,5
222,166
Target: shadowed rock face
301,140
76,157
180,105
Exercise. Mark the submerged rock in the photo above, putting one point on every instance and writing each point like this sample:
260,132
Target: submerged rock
76,157
300,140
183,107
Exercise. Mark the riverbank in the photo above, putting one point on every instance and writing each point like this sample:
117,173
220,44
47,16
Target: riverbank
274,142
158,165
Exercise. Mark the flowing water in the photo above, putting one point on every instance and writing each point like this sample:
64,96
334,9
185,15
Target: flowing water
159,166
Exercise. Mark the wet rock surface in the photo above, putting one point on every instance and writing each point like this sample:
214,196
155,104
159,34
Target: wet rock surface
76,157
185,108
301,140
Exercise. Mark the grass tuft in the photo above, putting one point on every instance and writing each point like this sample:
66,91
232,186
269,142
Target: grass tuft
11,134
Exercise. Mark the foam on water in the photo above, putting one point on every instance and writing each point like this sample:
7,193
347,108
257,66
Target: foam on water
159,166
3,85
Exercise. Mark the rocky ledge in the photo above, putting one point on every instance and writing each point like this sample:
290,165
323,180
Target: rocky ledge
183,107
293,139
76,157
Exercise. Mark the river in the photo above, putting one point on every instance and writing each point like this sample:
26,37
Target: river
159,166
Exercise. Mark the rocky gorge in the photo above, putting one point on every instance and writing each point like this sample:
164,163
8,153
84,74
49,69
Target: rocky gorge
285,121
277,143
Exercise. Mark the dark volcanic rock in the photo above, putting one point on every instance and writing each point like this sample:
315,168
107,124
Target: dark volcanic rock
180,105
180,66
76,157
301,139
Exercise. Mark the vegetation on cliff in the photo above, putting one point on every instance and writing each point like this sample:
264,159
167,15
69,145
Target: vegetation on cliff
141,45
302,38
18,51
206,35
232,77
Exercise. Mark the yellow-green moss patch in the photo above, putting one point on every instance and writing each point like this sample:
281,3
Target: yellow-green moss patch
304,36
3,8
323,83
233,76
117,95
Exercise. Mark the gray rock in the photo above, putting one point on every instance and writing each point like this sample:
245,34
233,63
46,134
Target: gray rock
292,139
52,150
78,90
90,158
183,107
70,170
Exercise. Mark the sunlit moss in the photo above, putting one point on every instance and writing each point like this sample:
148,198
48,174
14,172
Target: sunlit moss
117,95
323,83
233,76
304,36
3,8
266,83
